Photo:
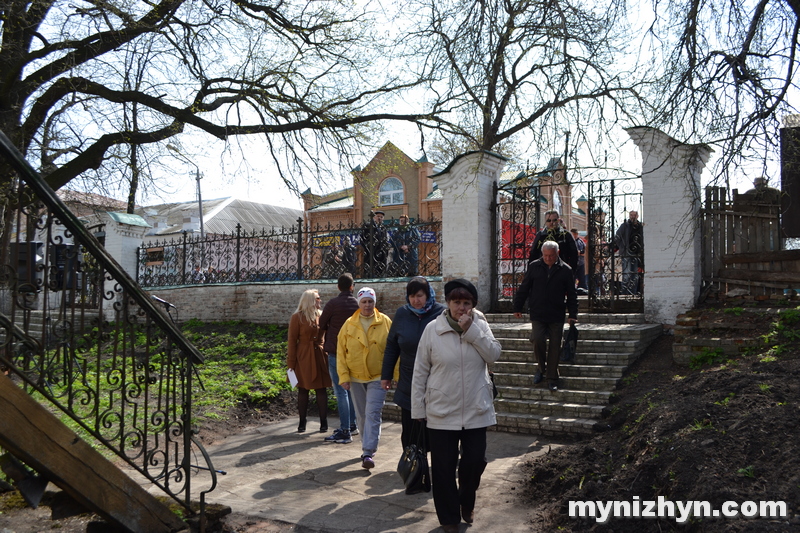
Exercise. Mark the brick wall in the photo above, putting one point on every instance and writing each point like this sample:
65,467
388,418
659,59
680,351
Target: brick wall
270,303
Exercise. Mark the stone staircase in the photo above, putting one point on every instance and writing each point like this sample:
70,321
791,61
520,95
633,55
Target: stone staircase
607,345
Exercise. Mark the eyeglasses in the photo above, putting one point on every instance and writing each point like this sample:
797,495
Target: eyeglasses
551,220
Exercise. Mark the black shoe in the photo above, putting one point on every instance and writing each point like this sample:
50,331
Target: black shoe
537,378
301,428
323,427
553,385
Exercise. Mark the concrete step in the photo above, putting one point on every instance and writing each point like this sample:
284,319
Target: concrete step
566,382
502,368
549,408
584,345
583,358
613,332
583,318
550,426
544,394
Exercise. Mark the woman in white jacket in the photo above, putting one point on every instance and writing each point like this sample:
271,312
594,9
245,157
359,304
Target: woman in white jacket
451,389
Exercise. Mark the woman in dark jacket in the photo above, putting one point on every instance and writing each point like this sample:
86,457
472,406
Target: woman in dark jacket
407,327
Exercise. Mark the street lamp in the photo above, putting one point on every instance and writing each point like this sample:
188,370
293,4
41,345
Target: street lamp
197,177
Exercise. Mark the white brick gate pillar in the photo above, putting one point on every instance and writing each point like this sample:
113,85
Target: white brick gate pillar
671,206
466,186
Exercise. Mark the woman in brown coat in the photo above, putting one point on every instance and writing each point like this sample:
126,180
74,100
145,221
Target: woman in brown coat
307,359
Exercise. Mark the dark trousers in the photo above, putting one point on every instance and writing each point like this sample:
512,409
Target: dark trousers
410,428
547,356
448,496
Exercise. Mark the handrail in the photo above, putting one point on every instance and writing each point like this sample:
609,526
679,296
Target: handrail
123,372
71,222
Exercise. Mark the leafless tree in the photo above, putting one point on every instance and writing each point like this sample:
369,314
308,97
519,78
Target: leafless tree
305,75
540,67
727,70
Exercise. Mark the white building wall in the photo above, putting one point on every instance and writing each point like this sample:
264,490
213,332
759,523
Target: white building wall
671,198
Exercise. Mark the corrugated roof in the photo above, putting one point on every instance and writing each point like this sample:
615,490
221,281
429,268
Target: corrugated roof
221,215
127,218
341,203
252,216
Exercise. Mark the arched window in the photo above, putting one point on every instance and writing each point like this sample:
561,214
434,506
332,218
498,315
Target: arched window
391,192
557,203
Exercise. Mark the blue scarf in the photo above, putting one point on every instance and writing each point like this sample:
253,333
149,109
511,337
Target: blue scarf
428,304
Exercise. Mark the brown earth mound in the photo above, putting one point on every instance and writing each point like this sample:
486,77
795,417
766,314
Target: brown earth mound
723,433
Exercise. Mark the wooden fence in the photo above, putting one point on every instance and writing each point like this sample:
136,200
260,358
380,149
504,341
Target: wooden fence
741,242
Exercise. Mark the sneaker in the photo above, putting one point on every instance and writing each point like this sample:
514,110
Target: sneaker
367,462
353,431
339,437
537,378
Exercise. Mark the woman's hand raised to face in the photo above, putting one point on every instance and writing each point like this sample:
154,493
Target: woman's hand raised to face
465,321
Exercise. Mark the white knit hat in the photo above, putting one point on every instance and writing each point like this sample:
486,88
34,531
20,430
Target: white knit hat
366,292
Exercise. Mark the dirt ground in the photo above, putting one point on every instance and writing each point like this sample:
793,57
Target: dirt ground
728,432
722,433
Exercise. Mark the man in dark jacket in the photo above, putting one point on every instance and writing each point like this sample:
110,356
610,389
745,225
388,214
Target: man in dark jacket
375,242
547,283
333,317
567,250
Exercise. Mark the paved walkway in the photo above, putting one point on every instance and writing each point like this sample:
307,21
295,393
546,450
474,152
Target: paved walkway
275,473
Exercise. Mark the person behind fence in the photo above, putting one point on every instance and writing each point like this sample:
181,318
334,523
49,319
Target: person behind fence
335,313
554,232
629,240
375,242
333,262
359,360
307,360
580,270
548,282
451,389
409,322
198,276
405,244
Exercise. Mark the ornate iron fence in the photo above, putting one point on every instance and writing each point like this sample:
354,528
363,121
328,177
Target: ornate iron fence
616,269
295,253
77,330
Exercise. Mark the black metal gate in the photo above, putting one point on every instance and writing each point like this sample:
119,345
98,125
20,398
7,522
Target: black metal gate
517,209
615,268
615,247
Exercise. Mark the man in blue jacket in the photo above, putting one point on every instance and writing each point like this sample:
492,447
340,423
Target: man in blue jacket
549,289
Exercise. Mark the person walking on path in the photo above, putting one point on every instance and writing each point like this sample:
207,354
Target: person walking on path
630,243
359,360
407,327
334,315
554,232
549,289
307,360
451,389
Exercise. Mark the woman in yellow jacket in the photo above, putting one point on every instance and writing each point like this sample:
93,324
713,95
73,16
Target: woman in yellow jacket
359,359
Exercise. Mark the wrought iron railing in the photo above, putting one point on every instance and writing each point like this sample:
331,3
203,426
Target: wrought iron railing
295,253
78,331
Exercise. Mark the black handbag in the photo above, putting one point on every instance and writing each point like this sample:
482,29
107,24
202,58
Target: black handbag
413,465
570,344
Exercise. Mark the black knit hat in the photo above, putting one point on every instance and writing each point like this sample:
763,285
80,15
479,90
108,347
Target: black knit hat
461,283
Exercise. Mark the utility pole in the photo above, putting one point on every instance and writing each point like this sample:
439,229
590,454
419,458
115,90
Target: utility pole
197,177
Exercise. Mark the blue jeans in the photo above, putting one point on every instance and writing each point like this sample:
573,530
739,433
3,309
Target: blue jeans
368,399
347,412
